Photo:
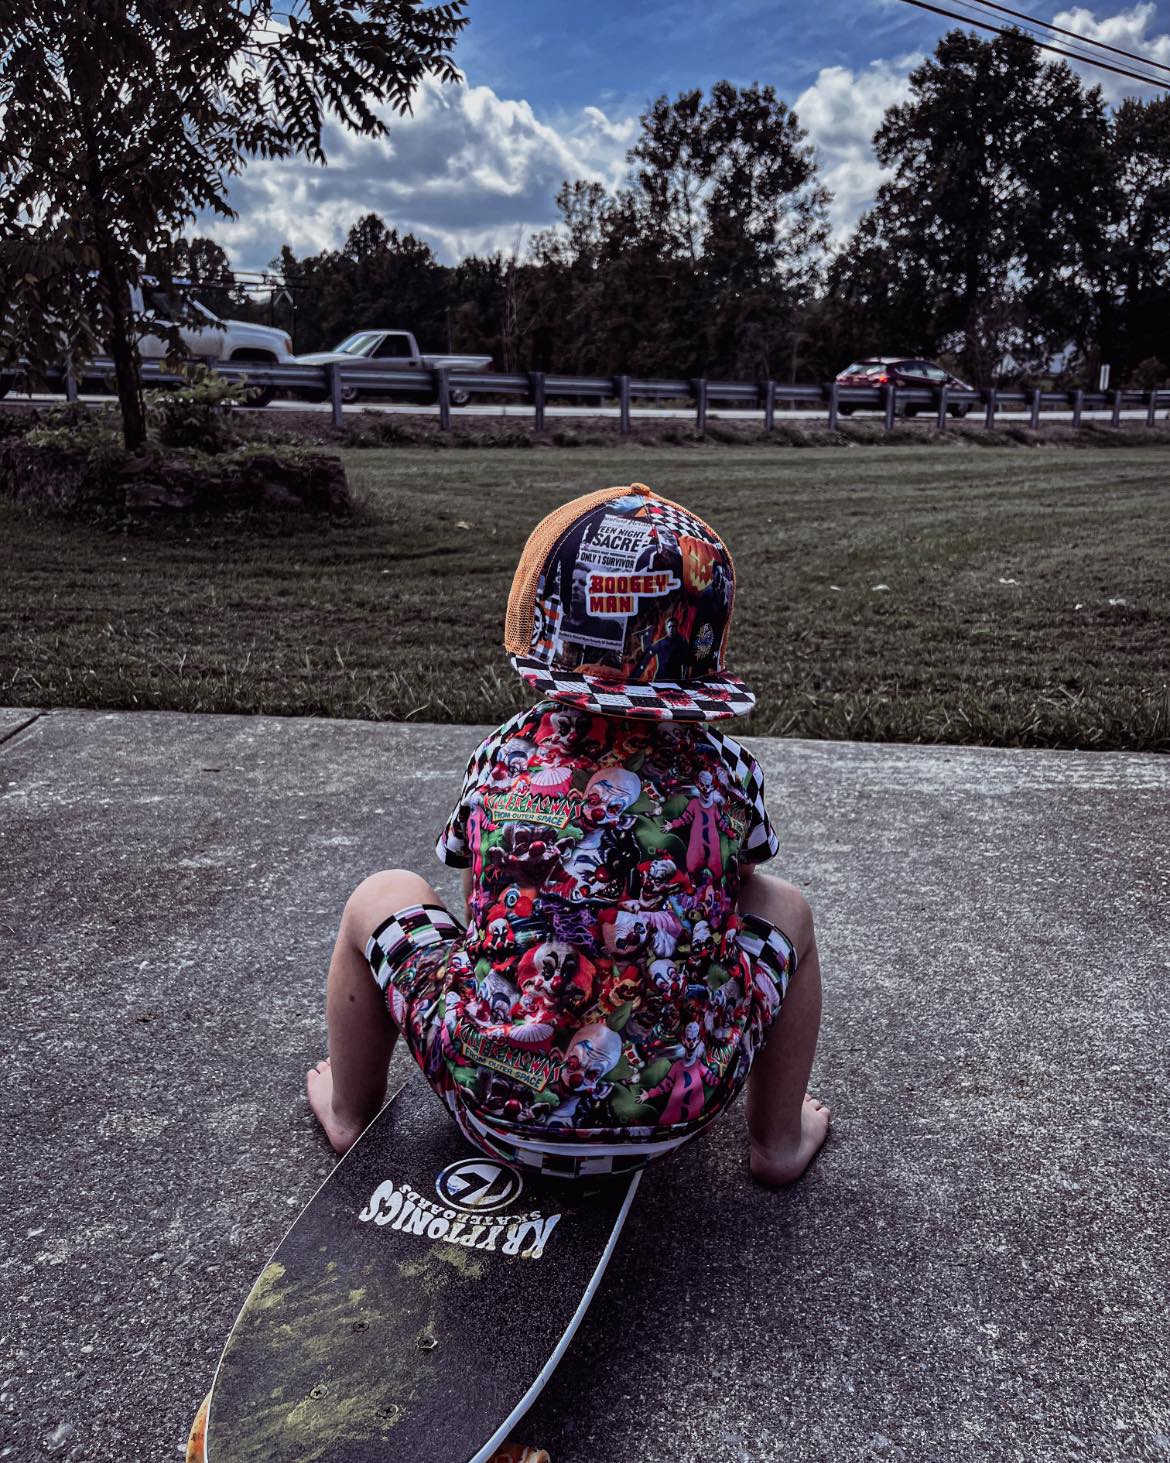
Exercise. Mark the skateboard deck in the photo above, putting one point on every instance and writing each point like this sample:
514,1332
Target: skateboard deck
416,1307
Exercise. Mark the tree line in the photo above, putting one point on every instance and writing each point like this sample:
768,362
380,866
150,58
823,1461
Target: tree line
1019,217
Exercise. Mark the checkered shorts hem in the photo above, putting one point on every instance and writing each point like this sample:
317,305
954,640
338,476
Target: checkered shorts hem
415,928
768,948
596,1162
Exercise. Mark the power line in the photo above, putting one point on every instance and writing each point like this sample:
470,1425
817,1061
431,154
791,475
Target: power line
1088,58
1075,35
1146,80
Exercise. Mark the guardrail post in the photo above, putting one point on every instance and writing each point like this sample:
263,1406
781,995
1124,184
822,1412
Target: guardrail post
699,387
769,405
942,407
333,378
70,383
833,407
536,386
1115,419
989,414
623,394
1034,419
1078,407
443,397
1152,408
889,401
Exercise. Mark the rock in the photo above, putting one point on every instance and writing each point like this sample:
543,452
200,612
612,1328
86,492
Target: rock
883,1447
60,1435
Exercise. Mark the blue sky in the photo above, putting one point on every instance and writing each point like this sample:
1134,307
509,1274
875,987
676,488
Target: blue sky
553,90
609,53
613,54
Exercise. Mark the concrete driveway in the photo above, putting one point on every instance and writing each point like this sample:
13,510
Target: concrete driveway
975,1267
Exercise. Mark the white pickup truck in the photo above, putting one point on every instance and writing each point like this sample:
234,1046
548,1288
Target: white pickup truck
205,336
392,350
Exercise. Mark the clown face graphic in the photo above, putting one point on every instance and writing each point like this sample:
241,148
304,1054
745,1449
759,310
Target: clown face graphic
607,796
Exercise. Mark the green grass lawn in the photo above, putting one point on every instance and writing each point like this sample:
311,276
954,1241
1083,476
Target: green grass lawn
913,594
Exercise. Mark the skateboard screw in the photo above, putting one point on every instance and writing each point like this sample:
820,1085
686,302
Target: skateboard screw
360,1325
317,1392
426,1342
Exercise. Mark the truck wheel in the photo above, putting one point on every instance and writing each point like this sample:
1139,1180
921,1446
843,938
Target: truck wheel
459,398
256,395
349,394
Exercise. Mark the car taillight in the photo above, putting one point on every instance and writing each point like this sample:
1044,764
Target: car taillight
882,380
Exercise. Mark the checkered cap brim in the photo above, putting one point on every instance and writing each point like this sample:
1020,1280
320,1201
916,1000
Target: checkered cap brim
709,700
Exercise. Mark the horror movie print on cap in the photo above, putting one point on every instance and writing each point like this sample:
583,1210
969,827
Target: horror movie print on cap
622,604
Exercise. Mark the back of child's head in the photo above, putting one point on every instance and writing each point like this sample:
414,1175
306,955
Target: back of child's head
621,604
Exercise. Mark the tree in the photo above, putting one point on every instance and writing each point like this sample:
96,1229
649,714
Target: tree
205,263
992,229
121,120
698,264
1136,309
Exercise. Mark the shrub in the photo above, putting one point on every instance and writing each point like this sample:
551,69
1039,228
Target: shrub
1148,375
196,415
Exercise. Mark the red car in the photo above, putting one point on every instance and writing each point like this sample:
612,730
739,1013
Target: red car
902,371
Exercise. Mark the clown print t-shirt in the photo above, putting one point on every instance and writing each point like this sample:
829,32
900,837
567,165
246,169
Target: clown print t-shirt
603,991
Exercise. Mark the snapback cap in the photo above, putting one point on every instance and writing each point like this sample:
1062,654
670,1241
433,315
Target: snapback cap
621,603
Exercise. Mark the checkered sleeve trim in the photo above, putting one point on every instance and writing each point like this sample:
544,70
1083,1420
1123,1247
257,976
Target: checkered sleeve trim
451,848
761,842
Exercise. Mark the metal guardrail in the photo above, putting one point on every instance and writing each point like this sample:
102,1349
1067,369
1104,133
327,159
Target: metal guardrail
439,385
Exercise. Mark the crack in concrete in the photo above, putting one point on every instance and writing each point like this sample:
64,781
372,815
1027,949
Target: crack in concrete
9,736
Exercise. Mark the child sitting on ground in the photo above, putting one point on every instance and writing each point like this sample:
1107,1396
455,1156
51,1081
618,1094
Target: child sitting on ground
624,959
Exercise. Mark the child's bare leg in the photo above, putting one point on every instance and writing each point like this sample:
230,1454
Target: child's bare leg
349,1086
786,1125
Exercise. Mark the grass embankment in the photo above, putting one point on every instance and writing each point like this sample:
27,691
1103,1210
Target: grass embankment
1016,599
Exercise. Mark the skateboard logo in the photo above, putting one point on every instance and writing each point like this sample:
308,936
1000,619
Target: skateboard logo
469,1217
477,1185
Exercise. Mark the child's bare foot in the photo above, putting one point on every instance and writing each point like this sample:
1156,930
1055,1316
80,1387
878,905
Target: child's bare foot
341,1135
775,1166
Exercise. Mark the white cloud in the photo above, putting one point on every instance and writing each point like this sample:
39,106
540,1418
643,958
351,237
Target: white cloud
841,111
471,171
1128,30
468,171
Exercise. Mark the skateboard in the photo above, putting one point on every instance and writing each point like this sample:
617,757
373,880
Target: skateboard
416,1307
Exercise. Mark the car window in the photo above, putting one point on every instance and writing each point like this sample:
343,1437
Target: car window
357,344
393,347
911,368
935,373
858,368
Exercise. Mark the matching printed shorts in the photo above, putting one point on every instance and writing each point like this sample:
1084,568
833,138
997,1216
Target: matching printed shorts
408,954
